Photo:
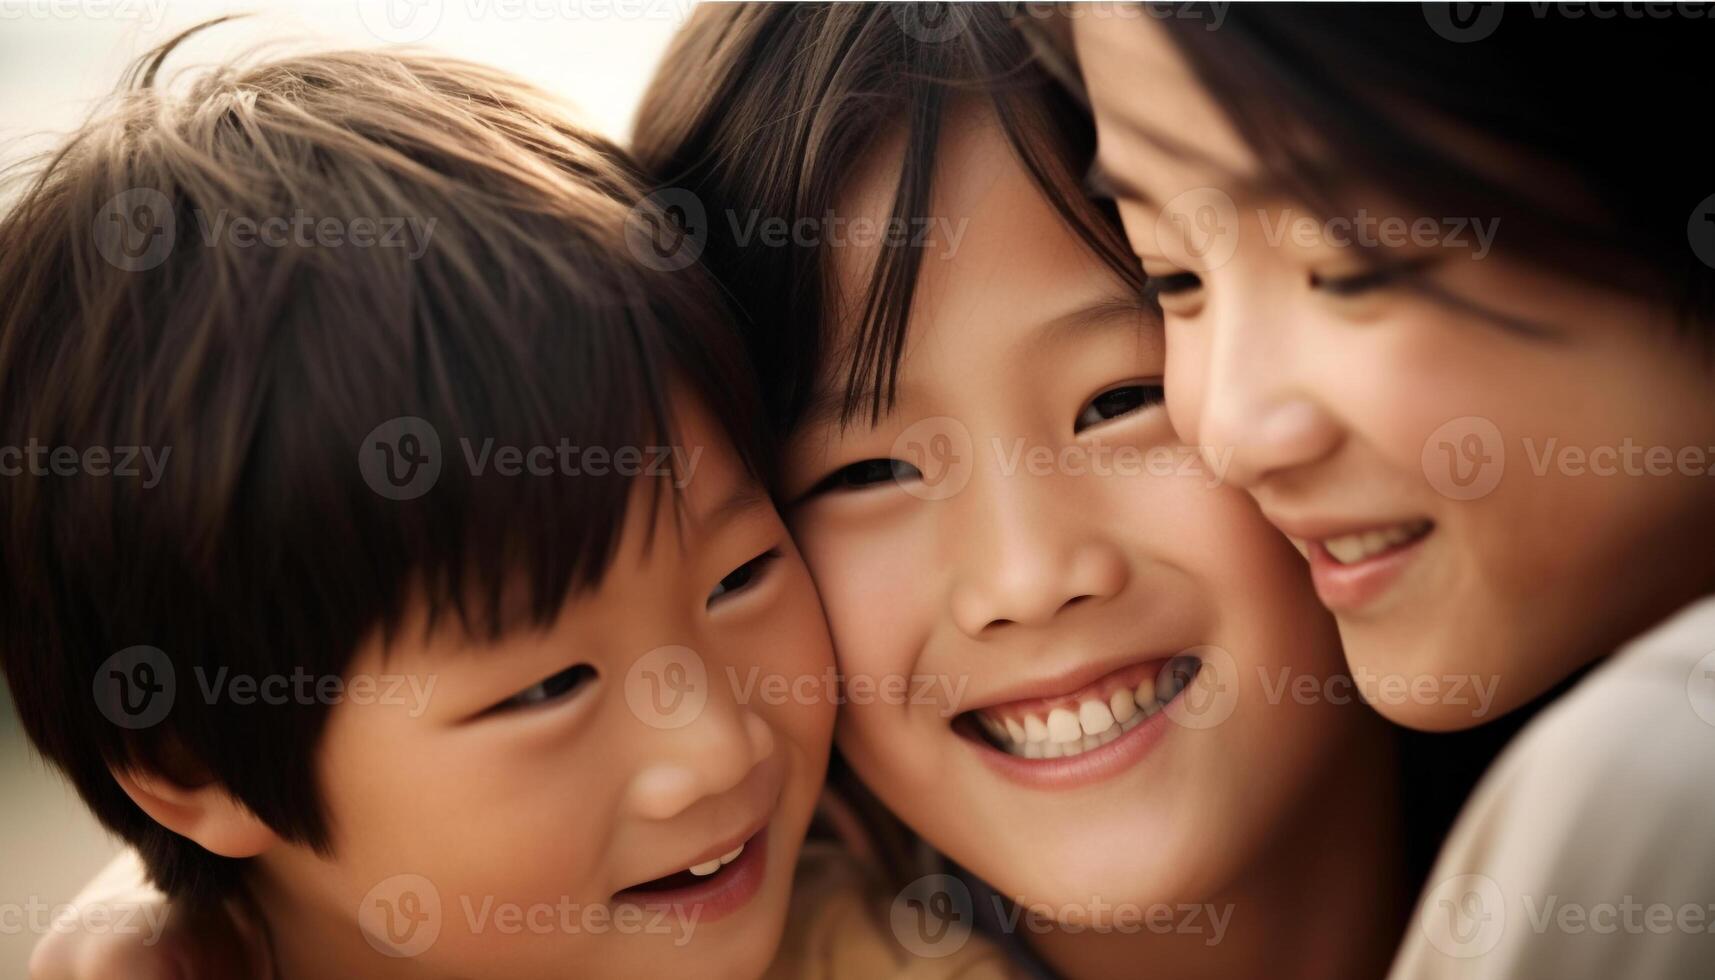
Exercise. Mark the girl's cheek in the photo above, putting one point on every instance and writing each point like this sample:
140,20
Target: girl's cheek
873,585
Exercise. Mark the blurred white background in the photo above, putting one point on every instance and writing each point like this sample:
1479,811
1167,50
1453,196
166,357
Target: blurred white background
58,58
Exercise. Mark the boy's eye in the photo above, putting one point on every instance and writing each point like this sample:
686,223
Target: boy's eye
1115,402
866,473
744,576
550,689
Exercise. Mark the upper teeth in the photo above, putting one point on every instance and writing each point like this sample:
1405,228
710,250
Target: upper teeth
710,867
1349,548
1091,723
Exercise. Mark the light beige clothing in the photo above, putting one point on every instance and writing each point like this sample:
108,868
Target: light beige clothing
1588,850
839,927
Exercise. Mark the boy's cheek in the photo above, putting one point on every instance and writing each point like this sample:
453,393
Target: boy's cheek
798,649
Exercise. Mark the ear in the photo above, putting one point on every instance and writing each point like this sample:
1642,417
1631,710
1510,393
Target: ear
202,811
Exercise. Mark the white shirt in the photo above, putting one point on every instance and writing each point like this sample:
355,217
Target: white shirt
1588,849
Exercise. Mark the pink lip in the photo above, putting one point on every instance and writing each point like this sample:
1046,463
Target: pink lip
1098,764
724,893
1348,588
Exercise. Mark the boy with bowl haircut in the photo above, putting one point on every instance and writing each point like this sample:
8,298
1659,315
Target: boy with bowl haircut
343,673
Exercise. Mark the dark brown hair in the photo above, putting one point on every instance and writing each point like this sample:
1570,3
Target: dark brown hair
767,110
770,109
262,370
1579,133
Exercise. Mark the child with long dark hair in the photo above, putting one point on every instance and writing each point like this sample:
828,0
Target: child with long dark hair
1495,448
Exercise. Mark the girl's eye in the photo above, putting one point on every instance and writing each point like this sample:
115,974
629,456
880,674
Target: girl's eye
866,473
1380,277
1174,284
550,689
744,576
1115,402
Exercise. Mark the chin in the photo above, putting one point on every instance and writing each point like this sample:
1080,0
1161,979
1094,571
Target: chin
1469,689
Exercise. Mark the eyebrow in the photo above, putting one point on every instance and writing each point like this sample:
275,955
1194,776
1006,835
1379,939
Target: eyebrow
746,495
1100,181
827,403
1107,312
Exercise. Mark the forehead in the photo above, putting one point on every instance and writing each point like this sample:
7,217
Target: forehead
1158,127
994,257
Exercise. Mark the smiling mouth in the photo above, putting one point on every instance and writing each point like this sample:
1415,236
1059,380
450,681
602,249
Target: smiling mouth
1086,719
1359,547
697,875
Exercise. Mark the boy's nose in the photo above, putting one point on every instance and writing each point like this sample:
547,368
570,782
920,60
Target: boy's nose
708,757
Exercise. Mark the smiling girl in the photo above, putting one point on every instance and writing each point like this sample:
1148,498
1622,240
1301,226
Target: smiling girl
981,474
1496,461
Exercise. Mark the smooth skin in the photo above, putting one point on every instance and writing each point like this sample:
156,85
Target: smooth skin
523,781
1562,463
1023,342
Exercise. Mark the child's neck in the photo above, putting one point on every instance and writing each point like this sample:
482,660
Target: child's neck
1328,898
